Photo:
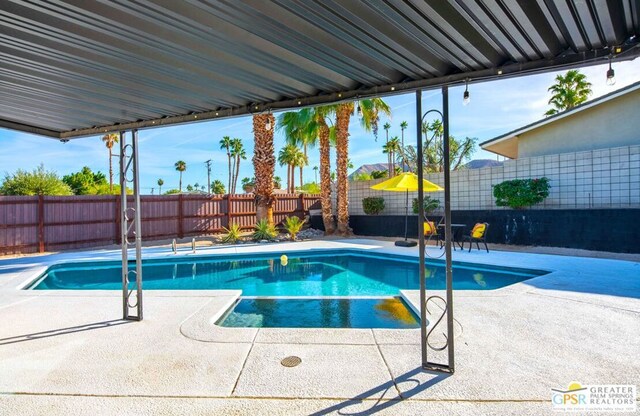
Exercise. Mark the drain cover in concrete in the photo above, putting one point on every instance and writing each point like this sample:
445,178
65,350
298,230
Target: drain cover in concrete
291,361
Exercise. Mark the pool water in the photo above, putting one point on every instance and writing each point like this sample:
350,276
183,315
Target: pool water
321,313
312,274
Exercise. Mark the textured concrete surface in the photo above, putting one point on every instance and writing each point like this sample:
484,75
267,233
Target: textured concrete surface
67,352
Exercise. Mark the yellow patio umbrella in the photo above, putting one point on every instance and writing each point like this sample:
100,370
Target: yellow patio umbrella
405,182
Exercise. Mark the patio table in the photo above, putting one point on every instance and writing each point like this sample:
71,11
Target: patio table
456,231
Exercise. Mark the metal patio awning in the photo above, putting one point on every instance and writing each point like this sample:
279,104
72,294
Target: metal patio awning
79,67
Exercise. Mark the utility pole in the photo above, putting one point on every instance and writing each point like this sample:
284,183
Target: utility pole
208,162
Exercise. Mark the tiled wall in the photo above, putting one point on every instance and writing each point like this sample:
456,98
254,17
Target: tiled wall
608,178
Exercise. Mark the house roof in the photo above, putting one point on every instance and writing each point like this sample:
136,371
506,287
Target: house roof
78,68
507,144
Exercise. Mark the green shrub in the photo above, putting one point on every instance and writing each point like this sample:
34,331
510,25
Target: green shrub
430,204
232,233
264,231
293,225
520,193
373,205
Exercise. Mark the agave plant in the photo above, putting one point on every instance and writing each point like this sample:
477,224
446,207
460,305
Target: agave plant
293,225
232,233
264,231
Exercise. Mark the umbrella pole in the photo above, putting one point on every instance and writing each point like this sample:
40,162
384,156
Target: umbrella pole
406,215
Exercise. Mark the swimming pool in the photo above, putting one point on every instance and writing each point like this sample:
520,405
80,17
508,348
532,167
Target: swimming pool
308,273
390,313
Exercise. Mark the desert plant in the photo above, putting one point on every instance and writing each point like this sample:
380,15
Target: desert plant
520,193
373,205
293,225
264,231
430,204
232,233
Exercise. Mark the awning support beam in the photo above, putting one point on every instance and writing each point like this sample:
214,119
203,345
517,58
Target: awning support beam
447,310
130,225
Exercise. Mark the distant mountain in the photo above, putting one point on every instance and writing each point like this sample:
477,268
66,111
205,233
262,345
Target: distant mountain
368,169
482,163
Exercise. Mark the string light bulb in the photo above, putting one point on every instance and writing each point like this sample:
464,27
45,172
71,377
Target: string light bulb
466,97
267,125
611,74
359,111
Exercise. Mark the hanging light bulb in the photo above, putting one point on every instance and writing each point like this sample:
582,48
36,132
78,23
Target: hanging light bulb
611,74
359,111
267,125
466,98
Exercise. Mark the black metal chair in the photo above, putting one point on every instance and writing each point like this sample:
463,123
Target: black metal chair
478,234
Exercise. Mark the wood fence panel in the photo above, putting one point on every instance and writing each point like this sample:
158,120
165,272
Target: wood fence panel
71,222
159,215
18,224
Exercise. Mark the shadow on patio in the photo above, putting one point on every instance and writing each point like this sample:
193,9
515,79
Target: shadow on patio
381,390
62,331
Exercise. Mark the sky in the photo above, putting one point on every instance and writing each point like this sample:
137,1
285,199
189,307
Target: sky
496,107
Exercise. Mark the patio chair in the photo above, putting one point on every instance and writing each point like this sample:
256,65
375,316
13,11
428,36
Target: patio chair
478,234
431,231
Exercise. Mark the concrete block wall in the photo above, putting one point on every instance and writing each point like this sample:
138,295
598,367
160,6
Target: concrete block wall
606,178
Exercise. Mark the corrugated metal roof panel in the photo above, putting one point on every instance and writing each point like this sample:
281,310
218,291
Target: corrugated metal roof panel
77,67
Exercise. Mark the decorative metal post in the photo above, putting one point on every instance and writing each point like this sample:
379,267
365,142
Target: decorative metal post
130,223
448,303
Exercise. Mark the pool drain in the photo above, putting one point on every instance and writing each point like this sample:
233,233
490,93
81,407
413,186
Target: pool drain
291,361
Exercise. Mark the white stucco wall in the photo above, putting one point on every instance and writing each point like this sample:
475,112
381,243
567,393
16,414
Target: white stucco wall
614,123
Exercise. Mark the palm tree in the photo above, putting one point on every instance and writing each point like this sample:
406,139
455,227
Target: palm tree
386,128
391,149
225,144
160,183
217,187
403,126
181,166
314,122
370,109
315,174
109,140
569,91
264,163
237,152
297,133
289,156
301,160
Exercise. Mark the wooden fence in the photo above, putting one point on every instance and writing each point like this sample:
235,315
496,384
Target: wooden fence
30,224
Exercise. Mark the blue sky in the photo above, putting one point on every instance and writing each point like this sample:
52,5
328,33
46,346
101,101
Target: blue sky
496,107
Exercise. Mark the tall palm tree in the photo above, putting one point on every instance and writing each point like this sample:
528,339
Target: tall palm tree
386,128
314,122
370,110
403,127
181,166
301,160
264,163
225,144
237,153
160,183
109,140
289,155
315,174
568,91
297,133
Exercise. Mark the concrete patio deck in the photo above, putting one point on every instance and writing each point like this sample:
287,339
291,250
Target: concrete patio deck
67,352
